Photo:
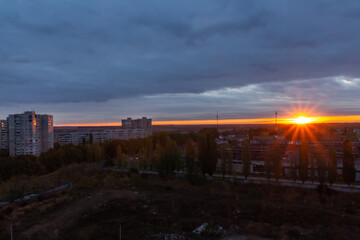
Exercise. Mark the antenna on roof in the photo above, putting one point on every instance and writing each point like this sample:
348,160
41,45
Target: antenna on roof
276,127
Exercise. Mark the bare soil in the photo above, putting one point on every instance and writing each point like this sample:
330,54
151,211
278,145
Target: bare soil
148,206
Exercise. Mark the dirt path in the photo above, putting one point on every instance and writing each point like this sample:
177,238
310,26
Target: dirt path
69,214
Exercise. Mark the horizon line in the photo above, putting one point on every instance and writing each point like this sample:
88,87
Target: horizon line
318,119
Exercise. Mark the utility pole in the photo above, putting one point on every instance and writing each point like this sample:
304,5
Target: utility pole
217,119
276,127
11,232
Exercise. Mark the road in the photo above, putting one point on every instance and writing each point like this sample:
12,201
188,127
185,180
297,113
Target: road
262,180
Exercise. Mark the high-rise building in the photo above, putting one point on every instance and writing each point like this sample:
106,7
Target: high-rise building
29,133
47,132
4,134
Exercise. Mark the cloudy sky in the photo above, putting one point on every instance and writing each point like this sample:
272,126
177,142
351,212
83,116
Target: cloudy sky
91,61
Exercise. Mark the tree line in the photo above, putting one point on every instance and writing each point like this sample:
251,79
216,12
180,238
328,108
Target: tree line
197,153
161,152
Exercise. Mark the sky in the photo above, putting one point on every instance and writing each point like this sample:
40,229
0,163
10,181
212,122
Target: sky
90,61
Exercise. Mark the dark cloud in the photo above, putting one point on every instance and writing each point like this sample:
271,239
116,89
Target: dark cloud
64,52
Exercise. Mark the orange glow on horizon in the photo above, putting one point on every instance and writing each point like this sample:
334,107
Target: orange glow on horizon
287,120
303,120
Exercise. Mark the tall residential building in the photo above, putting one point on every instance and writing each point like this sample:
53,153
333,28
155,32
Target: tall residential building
4,134
30,133
47,132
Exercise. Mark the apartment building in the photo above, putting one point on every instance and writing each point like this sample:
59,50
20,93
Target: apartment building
141,123
27,133
4,135
130,129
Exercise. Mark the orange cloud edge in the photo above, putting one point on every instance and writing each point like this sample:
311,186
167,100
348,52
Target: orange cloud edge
318,119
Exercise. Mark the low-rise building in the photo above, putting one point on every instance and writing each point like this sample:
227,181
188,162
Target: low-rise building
130,129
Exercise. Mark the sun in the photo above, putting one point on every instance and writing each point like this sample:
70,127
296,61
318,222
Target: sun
302,120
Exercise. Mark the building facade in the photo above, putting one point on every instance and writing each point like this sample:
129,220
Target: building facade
27,133
130,129
4,135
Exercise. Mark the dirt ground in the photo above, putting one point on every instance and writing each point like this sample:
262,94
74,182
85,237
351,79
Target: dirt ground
147,206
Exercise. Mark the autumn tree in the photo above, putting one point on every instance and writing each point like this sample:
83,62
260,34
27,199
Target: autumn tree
149,152
167,155
191,167
207,153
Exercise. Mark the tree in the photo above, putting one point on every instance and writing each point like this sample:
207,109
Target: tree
98,153
91,138
167,155
70,154
191,168
268,162
223,160
149,152
158,155
303,161
7,168
90,153
207,153
246,158
321,167
349,172
273,161
173,156
293,167
119,156
332,164
312,168
52,159
277,160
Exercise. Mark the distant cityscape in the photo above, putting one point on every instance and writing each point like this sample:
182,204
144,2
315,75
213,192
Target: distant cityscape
29,133
130,129
259,147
